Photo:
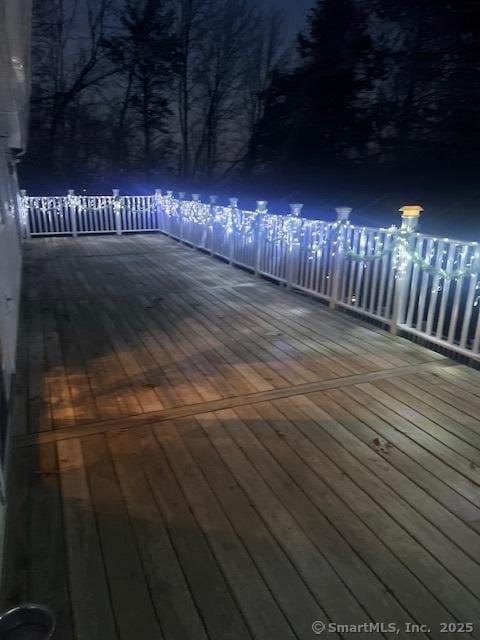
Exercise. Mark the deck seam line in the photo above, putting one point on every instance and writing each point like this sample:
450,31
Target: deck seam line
149,418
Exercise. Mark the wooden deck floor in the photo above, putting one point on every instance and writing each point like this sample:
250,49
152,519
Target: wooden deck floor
200,454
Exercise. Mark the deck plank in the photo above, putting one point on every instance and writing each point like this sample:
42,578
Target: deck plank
170,591
334,595
214,600
131,599
261,612
400,452
90,597
16,563
39,406
83,402
289,590
394,520
341,531
202,454
48,580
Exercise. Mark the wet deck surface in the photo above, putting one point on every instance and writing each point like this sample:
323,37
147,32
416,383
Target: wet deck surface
200,454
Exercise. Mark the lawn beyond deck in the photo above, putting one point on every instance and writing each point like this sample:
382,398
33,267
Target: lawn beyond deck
201,455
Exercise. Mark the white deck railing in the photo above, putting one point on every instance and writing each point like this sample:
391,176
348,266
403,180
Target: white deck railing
76,215
414,283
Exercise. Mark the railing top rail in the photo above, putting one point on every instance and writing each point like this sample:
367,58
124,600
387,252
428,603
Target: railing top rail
308,221
415,234
466,243
78,195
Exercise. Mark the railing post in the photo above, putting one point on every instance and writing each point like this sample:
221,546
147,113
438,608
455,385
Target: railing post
233,203
296,209
201,220
209,224
336,275
196,200
73,211
168,227
181,199
181,227
24,209
258,234
293,255
117,210
410,218
158,214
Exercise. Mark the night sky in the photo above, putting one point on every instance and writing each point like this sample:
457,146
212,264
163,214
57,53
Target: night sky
296,12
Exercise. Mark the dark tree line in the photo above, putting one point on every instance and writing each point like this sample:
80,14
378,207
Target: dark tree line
203,91
380,87
128,91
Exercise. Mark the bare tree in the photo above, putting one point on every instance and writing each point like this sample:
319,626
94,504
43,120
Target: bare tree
69,61
159,85
192,22
221,82
410,72
144,49
229,47
266,54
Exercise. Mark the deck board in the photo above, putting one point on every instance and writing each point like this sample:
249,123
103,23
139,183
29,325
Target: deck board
201,454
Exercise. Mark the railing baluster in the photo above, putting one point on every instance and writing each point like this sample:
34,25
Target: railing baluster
117,209
72,208
353,267
453,325
374,277
445,292
423,288
338,264
432,307
415,277
381,309
476,338
259,236
467,316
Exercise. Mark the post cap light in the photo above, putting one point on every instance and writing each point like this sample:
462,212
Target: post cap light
343,213
296,208
262,206
410,216
411,211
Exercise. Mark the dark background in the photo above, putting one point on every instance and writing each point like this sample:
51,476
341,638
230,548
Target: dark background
367,103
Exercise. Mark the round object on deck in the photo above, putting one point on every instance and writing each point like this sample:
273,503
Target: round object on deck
27,622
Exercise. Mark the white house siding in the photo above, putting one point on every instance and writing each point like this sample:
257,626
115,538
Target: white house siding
15,22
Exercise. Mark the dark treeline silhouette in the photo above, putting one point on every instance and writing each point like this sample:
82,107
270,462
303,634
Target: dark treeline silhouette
378,97
381,84
135,93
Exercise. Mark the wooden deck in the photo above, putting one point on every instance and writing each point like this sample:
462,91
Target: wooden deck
200,454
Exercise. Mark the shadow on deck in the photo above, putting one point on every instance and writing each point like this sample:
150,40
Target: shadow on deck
201,454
